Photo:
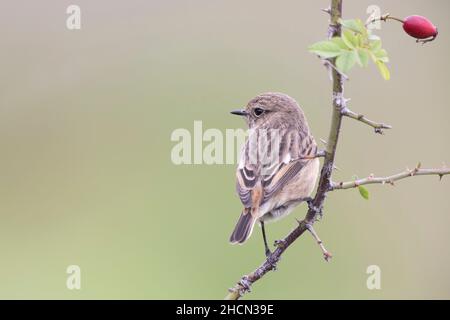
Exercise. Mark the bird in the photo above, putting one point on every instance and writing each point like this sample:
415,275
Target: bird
278,166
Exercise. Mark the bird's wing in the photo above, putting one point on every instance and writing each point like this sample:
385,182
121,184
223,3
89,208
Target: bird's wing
256,182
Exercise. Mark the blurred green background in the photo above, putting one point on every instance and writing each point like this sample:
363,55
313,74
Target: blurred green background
86,176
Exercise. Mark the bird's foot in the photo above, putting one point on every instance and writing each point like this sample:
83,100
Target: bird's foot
313,208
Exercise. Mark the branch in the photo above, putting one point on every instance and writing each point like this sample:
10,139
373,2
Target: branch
384,17
244,285
359,117
315,207
390,179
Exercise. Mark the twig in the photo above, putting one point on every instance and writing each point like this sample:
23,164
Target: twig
326,254
378,127
390,179
385,17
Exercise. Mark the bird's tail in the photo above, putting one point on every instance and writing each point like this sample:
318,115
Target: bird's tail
243,228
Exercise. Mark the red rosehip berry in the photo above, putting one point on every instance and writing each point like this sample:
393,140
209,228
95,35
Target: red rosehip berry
419,27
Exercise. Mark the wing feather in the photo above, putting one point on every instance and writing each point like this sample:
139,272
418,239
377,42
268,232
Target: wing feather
292,147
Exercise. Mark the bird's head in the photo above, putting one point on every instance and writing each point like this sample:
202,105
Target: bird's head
273,110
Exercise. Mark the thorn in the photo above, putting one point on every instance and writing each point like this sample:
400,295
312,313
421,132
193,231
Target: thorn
418,166
323,141
326,10
440,177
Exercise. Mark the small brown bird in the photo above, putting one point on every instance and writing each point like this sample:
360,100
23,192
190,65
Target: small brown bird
278,168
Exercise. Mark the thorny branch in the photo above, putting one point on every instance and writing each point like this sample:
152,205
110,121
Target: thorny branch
325,183
417,171
378,127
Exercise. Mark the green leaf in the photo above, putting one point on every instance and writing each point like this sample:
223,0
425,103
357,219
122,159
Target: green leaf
346,61
349,39
375,45
355,25
340,43
360,40
326,49
363,192
363,58
381,55
383,70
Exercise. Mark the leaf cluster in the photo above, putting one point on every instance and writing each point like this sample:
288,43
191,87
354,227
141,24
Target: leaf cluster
356,45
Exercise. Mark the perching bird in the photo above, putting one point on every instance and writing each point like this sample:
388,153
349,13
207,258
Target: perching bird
278,168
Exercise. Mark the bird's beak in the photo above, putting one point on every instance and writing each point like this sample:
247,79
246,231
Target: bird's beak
239,112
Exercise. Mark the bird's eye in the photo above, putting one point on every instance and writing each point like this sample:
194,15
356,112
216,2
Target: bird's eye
258,111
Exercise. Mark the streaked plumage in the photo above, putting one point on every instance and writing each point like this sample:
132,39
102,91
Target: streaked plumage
273,175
